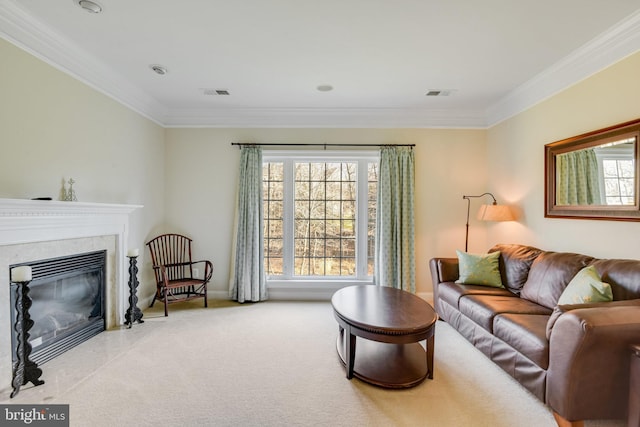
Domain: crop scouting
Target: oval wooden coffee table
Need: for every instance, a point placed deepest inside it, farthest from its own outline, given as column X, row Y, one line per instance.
column 388, row 325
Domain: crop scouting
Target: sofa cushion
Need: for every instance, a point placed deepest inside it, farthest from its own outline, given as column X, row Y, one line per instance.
column 549, row 275
column 479, row 269
column 586, row 287
column 515, row 262
column 525, row 333
column 482, row 308
column 452, row 292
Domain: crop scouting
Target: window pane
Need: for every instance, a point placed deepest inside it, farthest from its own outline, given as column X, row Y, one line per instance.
column 626, row 168
column 274, row 229
column 349, row 248
column 333, row 209
column 302, row 171
column 349, row 191
column 626, row 187
column 301, row 248
column 610, row 168
column 334, row 172
column 316, row 228
column 272, row 209
column 348, row 228
column 301, row 209
column 317, row 191
column 349, row 171
column 333, row 190
column 349, row 209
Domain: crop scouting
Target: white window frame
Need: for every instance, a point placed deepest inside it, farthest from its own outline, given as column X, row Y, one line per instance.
column 311, row 286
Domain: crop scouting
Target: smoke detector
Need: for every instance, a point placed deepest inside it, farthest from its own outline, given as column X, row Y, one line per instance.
column 89, row 6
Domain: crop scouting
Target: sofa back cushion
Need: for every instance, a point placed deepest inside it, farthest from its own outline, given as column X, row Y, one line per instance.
column 515, row 262
column 550, row 274
column 622, row 274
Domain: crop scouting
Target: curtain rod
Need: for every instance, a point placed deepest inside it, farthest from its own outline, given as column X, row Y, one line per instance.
column 240, row 144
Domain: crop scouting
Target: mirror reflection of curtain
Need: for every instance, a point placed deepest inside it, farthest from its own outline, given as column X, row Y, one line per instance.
column 577, row 178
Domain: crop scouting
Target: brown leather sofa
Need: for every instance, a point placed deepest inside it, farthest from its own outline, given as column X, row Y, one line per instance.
column 574, row 358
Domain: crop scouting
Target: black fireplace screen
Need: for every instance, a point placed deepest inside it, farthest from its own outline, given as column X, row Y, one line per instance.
column 68, row 303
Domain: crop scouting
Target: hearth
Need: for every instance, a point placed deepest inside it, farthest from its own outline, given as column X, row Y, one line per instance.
column 68, row 303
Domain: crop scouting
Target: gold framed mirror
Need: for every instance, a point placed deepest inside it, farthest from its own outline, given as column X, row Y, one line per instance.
column 594, row 175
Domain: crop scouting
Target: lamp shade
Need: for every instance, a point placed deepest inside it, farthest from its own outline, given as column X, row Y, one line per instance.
column 495, row 213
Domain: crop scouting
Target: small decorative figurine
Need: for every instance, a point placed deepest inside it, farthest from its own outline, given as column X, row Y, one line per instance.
column 63, row 191
column 71, row 194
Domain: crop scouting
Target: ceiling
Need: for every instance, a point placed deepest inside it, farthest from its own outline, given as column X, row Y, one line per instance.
column 495, row 58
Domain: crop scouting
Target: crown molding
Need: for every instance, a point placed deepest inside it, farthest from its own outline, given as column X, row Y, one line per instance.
column 610, row 47
column 325, row 118
column 37, row 38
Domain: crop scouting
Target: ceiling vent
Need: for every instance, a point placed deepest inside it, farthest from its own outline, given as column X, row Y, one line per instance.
column 440, row 92
column 89, row 6
column 214, row 92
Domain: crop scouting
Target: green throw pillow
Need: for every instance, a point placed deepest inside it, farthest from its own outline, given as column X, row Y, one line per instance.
column 479, row 269
column 586, row 287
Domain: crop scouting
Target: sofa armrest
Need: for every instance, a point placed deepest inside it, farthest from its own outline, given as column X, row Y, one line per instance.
column 588, row 375
column 442, row 270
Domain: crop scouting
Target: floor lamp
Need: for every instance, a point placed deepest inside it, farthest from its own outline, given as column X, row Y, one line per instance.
column 492, row 212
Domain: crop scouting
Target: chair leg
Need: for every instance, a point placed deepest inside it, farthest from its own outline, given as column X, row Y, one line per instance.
column 166, row 302
column 206, row 300
column 154, row 298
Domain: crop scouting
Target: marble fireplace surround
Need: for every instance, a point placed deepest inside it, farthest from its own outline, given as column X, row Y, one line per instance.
column 32, row 230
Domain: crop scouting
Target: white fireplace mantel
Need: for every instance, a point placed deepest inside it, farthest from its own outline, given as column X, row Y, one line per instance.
column 32, row 221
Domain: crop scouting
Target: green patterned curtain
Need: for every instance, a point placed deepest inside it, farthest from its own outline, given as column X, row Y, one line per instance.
column 577, row 178
column 248, row 277
column 394, row 263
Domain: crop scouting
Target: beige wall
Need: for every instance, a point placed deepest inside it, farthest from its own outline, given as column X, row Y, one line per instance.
column 516, row 162
column 202, row 174
column 53, row 127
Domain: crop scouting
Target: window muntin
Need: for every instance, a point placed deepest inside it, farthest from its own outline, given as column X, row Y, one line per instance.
column 312, row 203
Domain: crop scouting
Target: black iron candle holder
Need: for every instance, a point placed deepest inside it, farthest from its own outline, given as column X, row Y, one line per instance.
column 133, row 314
column 24, row 369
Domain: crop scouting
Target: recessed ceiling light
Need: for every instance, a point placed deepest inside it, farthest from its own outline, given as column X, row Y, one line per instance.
column 89, row 6
column 158, row 69
column 325, row 88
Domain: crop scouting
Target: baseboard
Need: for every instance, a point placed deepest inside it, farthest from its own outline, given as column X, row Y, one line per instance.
column 309, row 294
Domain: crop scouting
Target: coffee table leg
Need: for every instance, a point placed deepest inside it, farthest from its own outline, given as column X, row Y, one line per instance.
column 430, row 345
column 350, row 352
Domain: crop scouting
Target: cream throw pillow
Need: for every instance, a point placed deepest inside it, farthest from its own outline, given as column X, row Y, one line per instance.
column 586, row 287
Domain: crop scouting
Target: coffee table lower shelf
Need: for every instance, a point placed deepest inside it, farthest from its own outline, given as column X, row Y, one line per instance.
column 385, row 364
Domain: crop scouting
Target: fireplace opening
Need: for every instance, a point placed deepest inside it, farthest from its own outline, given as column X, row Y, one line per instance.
column 68, row 303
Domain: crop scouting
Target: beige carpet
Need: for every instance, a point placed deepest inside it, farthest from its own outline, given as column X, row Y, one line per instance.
column 267, row 364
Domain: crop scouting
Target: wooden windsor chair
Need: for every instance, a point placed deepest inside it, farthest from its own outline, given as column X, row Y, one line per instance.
column 173, row 268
